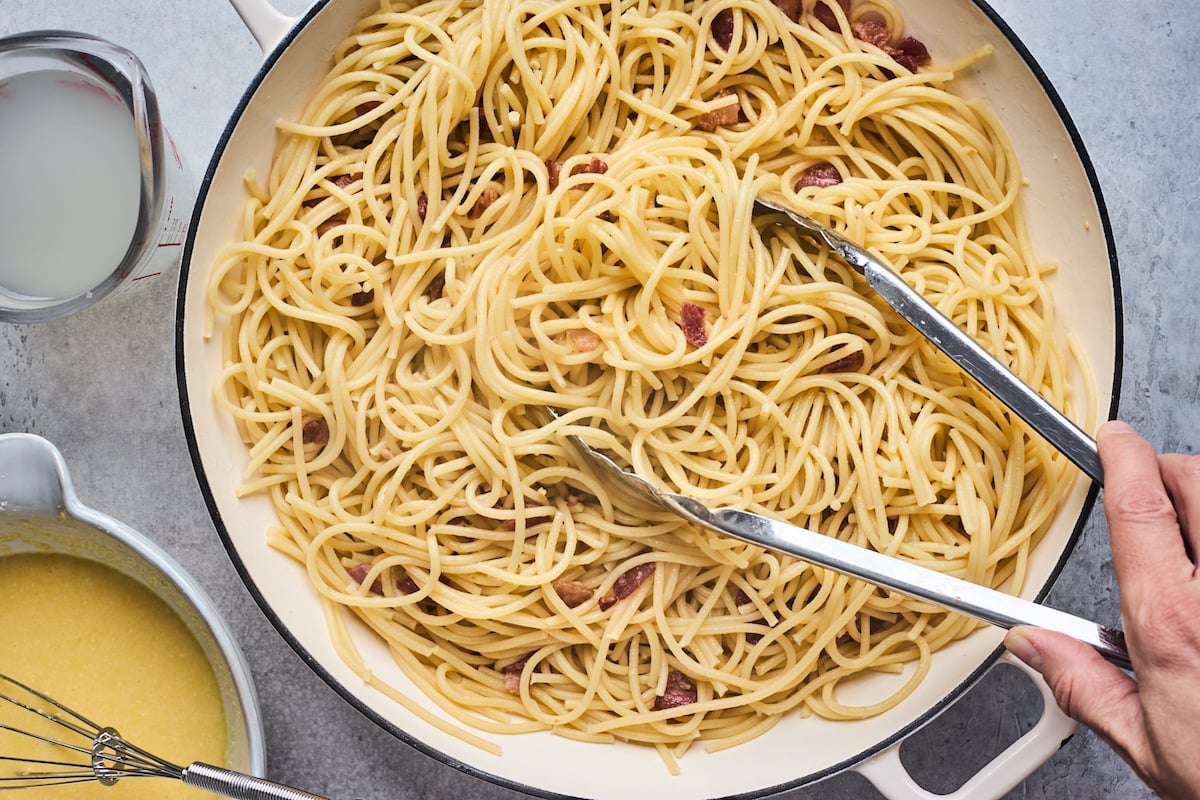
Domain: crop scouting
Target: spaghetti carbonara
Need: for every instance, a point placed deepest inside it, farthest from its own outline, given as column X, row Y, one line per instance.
column 494, row 207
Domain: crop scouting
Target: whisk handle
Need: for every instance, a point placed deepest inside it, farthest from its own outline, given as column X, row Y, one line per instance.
column 240, row 786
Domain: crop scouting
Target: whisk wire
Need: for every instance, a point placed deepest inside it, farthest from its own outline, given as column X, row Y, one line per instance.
column 114, row 758
column 103, row 756
column 100, row 754
column 69, row 718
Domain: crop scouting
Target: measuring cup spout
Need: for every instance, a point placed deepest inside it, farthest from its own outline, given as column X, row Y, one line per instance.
column 33, row 475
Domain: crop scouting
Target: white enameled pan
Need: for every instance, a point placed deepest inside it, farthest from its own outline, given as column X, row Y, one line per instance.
column 1068, row 223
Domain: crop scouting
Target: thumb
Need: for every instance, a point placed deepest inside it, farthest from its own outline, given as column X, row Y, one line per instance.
column 1086, row 687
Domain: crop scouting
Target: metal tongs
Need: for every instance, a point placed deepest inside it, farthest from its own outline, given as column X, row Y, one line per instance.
column 977, row 362
column 955, row 594
column 989, row 605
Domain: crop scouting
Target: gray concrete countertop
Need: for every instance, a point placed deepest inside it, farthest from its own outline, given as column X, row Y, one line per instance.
column 101, row 384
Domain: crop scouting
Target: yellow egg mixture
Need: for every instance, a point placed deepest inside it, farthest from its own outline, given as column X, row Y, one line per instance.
column 102, row 644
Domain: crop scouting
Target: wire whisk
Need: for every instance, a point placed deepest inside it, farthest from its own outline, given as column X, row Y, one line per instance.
column 63, row 747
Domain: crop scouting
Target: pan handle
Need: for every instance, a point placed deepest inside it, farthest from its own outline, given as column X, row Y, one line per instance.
column 1004, row 773
column 266, row 24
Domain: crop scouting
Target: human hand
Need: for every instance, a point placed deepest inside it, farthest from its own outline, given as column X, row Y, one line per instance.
column 1152, row 720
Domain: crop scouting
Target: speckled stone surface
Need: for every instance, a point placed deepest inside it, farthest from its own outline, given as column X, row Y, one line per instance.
column 101, row 385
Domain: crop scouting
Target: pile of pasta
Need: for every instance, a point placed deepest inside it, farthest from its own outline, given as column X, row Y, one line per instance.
column 493, row 208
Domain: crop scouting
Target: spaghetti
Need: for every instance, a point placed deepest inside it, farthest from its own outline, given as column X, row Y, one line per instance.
column 490, row 207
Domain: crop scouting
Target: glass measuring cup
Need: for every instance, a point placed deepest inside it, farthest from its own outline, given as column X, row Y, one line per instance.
column 94, row 197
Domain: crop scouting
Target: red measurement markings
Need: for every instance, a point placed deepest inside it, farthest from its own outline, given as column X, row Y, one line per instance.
column 87, row 88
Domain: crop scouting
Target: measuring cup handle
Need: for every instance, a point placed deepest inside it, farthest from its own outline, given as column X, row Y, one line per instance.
column 33, row 475
column 266, row 24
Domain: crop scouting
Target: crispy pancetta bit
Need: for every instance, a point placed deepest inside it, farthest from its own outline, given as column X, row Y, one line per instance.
column 436, row 286
column 627, row 583
column 725, row 115
column 512, row 675
column 330, row 224
column 824, row 13
column 792, row 9
column 362, row 109
column 909, row 52
column 851, row 362
column 484, row 202
column 572, row 593
column 821, row 176
column 583, row 340
column 596, row 166
column 679, row 691
column 315, row 431
column 692, row 318
column 360, row 571
column 722, row 29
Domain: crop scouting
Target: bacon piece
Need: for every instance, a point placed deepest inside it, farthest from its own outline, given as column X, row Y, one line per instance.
column 572, row 593
column 577, row 497
column 792, row 9
column 596, row 166
column 851, row 362
column 331, row 223
column 825, row 14
column 909, row 53
column 362, row 109
column 422, row 206
column 363, row 298
column 728, row 114
column 485, row 201
column 631, row 579
column 722, row 29
column 359, row 573
column 743, row 599
column 820, row 175
column 626, row 584
column 691, row 319
column 530, row 520
column 679, row 691
column 315, row 431
column 437, row 284
column 512, row 675
column 872, row 31
column 553, row 173
column 583, row 340
column 342, row 181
